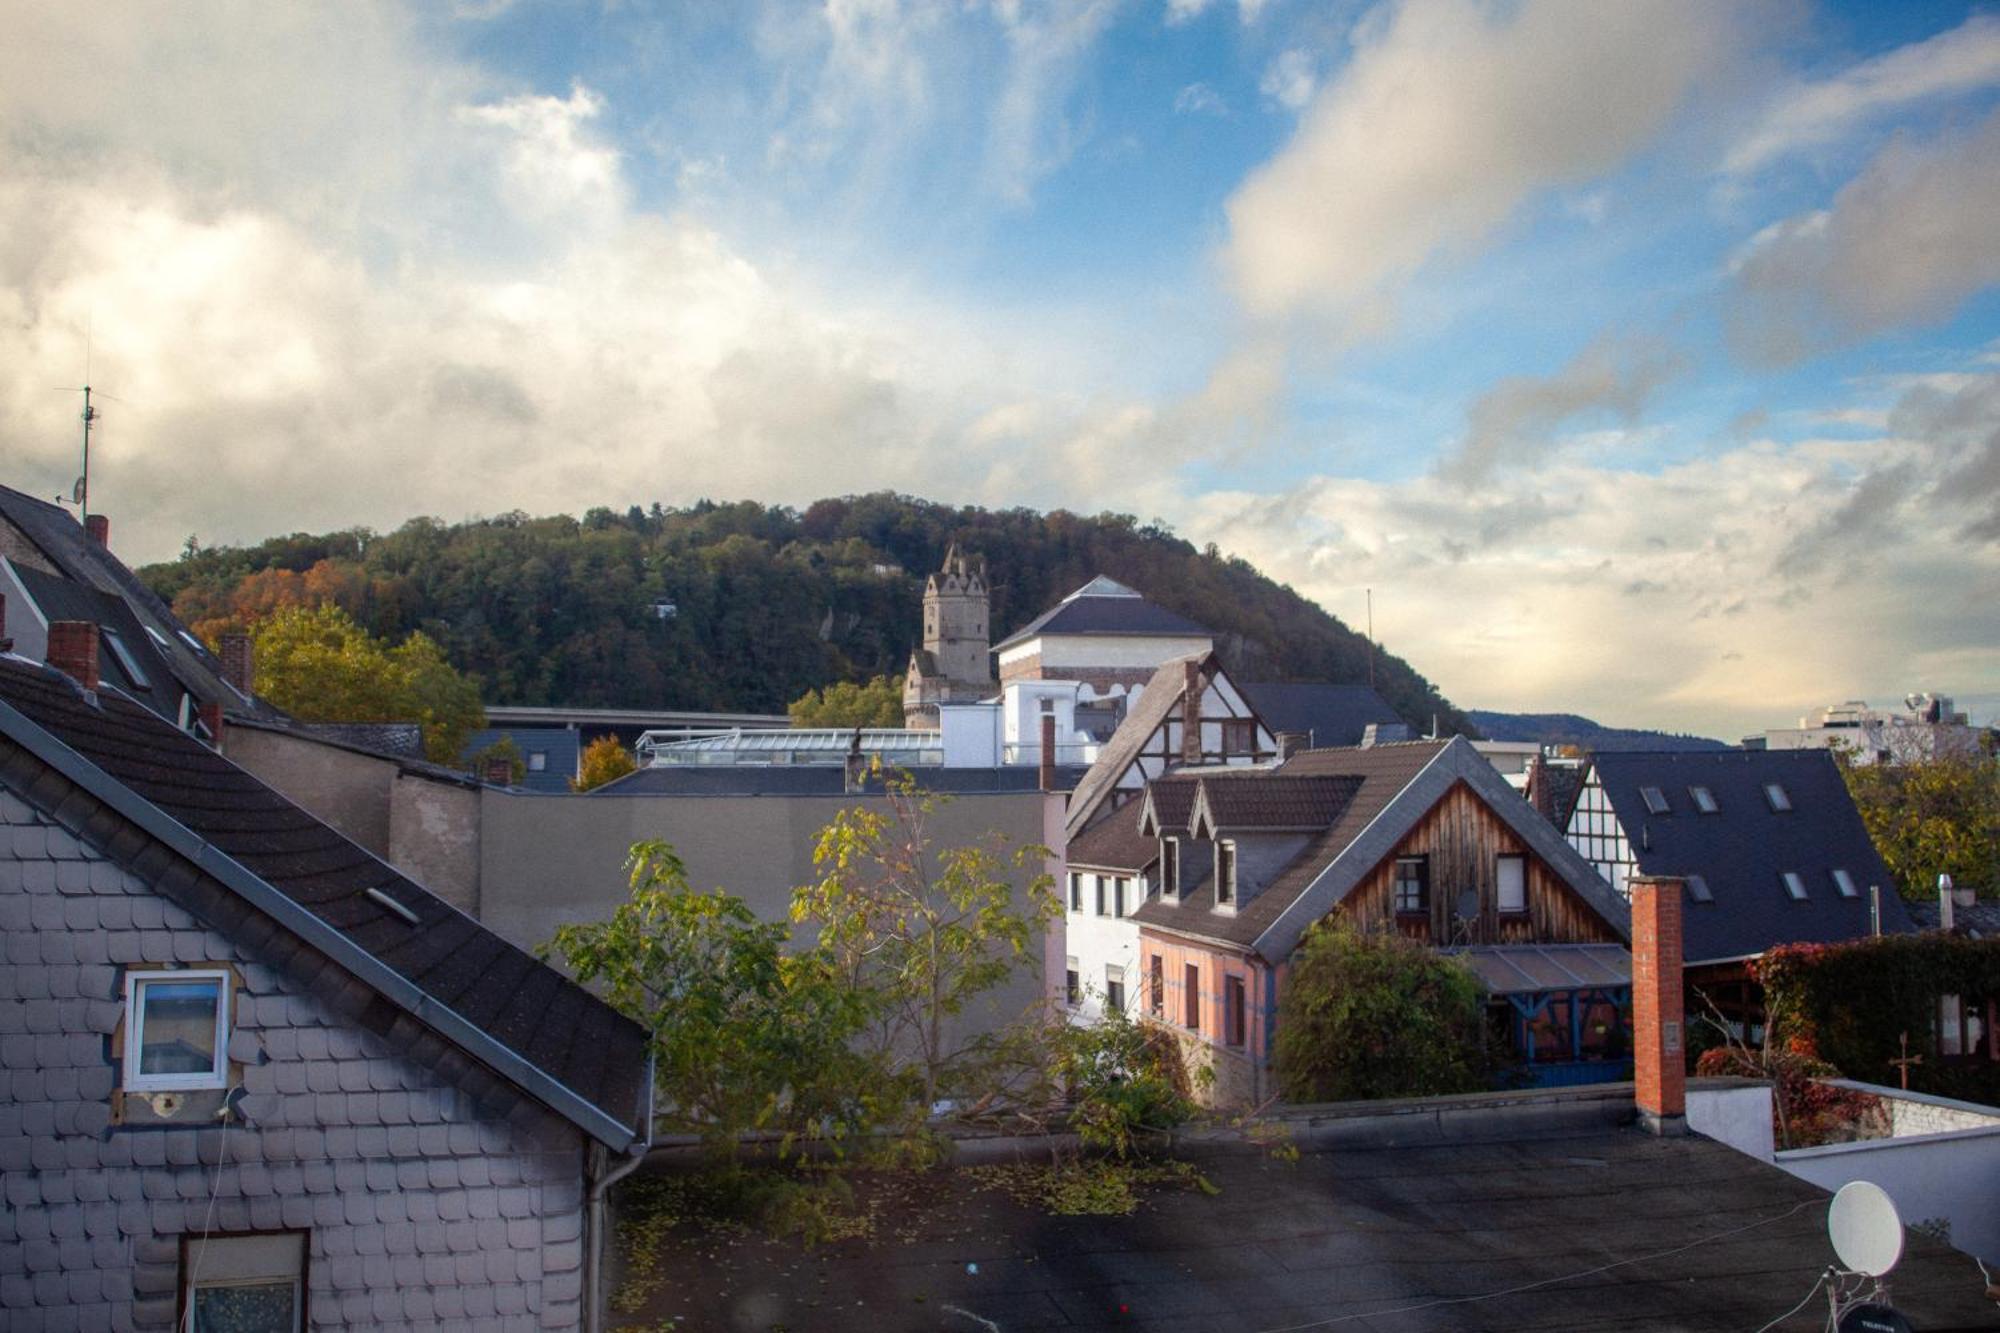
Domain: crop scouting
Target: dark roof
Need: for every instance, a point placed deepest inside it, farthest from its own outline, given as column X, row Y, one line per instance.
column 70, row 549
column 1326, row 714
column 821, row 780
column 1171, row 799
column 1511, row 1212
column 1743, row 849
column 1388, row 789
column 1553, row 788
column 1981, row 920
column 1270, row 801
column 60, row 598
column 560, row 747
column 497, row 1002
column 1115, row 843
column 1087, row 611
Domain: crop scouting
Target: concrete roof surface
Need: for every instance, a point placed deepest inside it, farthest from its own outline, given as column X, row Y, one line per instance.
column 1351, row 1237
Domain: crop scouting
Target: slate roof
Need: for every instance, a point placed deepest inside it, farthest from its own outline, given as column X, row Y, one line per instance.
column 1981, row 920
column 821, row 780
column 1553, row 789
column 1115, row 843
column 1742, row 850
column 535, row 1027
column 1328, row 715
column 65, row 599
column 560, row 747
column 1390, row 789
column 1270, row 801
column 69, row 548
column 1093, row 610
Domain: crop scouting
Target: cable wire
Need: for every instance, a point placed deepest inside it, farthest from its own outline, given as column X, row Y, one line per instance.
column 1552, row 1281
column 1818, row 1282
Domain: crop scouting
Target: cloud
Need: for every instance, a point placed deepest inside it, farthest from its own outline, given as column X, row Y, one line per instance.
column 1031, row 135
column 1198, row 99
column 1512, row 425
column 1449, row 116
column 1905, row 242
column 1290, row 79
column 1810, row 115
column 1184, row 11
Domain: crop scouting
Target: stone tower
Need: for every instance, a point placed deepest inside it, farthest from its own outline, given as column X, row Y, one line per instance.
column 955, row 664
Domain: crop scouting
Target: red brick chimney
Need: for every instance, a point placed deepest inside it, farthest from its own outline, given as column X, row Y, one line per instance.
column 73, row 650
column 1191, row 711
column 1659, row 1050
column 239, row 662
column 99, row 528
column 1048, row 767
column 211, row 718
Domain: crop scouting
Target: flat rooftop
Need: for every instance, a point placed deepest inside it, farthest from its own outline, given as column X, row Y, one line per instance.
column 1542, row 1215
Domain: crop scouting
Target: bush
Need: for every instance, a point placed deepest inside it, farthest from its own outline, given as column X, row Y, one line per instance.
column 1124, row 1080
column 1375, row 1014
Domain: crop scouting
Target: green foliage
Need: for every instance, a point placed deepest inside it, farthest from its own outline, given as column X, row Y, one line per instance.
column 504, row 748
column 879, row 703
column 319, row 665
column 744, row 1036
column 1125, row 1080
column 1851, row 1004
column 1088, row 1187
column 561, row 610
column 1940, row 816
column 603, row 760
column 1375, row 1014
column 922, row 932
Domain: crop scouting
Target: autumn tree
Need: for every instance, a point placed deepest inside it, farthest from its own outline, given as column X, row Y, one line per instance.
column 604, row 760
column 878, row 703
column 1368, row 1014
column 317, row 664
column 745, row 1035
column 1933, row 817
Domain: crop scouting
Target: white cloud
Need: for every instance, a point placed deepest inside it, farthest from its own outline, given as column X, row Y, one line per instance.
column 1198, row 99
column 1447, row 117
column 1291, row 78
column 1905, row 242
column 1812, row 114
column 1031, row 132
column 1184, row 11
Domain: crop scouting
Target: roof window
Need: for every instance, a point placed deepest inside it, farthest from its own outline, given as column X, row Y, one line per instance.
column 1704, row 800
column 1655, row 799
column 1698, row 889
column 1795, row 885
column 1780, row 799
column 1845, row 883
column 126, row 662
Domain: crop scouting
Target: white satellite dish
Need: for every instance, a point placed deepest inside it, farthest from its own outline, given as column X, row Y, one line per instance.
column 1867, row 1233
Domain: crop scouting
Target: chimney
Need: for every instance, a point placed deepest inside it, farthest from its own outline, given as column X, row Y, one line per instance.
column 1191, row 711
column 1659, row 1053
column 239, row 661
column 499, row 771
column 1048, row 773
column 73, row 651
column 99, row 529
column 211, row 718
column 1947, row 900
column 1292, row 742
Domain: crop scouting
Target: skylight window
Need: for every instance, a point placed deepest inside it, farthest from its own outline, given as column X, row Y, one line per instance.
column 1704, row 800
column 1795, row 885
column 126, row 662
column 1698, row 889
column 1780, row 799
column 1845, row 883
column 1656, row 800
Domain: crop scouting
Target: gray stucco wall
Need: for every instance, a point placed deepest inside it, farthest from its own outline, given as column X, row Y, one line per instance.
column 433, row 1195
column 547, row 861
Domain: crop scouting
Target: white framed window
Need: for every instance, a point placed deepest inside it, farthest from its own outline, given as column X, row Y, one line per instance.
column 1704, row 800
column 255, row 1284
column 1512, row 884
column 126, row 662
column 176, row 1030
column 1780, row 799
column 1655, row 799
column 1225, row 874
column 1795, row 885
column 538, row 761
column 1072, row 985
column 1170, row 867
column 1114, row 990
column 1845, row 883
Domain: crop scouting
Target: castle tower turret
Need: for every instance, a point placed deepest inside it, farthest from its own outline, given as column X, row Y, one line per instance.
column 956, row 661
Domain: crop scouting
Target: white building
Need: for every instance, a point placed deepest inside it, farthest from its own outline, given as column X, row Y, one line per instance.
column 1927, row 728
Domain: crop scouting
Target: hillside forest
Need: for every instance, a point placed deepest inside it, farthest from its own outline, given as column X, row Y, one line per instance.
column 745, row 607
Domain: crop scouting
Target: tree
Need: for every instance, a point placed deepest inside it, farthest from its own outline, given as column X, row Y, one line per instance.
column 319, row 665
column 1377, row 1014
column 744, row 1035
column 879, row 703
column 504, row 748
column 1124, row 1079
column 604, row 760
column 1939, row 816
column 922, row 933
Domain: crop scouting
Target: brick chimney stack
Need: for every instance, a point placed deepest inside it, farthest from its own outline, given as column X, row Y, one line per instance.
column 1659, row 1049
column 211, row 718
column 1048, row 763
column 1191, row 712
column 73, row 651
column 99, row 528
column 239, row 662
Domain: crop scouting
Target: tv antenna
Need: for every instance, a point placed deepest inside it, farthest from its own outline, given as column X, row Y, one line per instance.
column 80, row 493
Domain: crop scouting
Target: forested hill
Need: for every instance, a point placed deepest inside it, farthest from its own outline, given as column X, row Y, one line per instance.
column 767, row 602
column 1569, row 729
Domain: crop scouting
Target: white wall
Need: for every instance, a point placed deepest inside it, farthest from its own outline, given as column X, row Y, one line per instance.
column 1070, row 652
column 1737, row 1116
column 1098, row 942
column 1954, row 1176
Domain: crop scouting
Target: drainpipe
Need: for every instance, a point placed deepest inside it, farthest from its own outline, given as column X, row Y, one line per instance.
column 596, row 1215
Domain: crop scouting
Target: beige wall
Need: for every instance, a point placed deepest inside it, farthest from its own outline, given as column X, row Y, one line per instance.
column 434, row 837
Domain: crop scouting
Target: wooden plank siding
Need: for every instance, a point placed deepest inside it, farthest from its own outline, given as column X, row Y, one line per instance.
column 1463, row 839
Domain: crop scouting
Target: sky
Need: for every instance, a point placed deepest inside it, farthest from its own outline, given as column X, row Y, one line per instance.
column 1642, row 358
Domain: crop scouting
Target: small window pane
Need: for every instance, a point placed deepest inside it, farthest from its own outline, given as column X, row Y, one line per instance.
column 1412, row 883
column 264, row 1307
column 1114, row 990
column 538, row 761
column 126, row 662
column 1656, row 800
column 1704, row 800
column 1698, row 889
column 1072, row 986
column 1513, row 884
column 1845, row 883
column 177, row 1026
column 1780, row 799
column 1794, row 885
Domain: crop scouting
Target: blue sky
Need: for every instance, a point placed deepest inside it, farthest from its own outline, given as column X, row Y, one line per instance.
column 1643, row 358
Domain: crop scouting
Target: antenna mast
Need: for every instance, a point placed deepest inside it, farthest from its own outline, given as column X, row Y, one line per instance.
column 1370, row 591
column 83, row 482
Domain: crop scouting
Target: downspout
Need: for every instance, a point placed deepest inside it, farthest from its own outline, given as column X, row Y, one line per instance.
column 596, row 1214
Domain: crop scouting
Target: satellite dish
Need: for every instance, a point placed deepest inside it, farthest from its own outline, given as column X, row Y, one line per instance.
column 1867, row 1234
column 1468, row 904
column 76, row 491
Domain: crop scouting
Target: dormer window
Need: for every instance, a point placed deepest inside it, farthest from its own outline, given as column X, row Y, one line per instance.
column 1170, row 867
column 1225, row 874
column 1780, row 799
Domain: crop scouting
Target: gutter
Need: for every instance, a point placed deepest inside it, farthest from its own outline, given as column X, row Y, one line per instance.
column 364, row 966
column 597, row 1214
